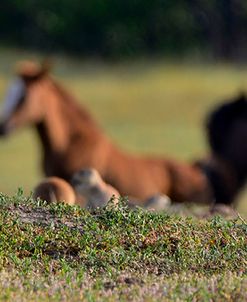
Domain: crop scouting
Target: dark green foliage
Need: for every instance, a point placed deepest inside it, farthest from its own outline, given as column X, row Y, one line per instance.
column 126, row 27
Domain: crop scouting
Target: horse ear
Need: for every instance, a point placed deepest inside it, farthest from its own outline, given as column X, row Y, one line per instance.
column 31, row 70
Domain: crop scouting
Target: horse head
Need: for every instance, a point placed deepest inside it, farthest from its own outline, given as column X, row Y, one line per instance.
column 24, row 101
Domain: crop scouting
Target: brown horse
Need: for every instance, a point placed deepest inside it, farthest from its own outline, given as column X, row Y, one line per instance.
column 72, row 140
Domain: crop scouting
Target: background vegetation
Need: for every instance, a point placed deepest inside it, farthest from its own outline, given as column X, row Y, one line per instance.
column 112, row 28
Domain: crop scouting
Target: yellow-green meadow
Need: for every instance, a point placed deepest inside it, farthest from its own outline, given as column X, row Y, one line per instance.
column 147, row 107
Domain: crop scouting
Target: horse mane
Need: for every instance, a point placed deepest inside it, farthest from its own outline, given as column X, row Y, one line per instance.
column 73, row 122
column 73, row 105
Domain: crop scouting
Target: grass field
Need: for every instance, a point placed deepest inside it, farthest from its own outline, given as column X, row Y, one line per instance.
column 154, row 107
column 62, row 253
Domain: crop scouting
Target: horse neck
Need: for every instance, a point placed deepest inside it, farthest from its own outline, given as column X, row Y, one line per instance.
column 64, row 121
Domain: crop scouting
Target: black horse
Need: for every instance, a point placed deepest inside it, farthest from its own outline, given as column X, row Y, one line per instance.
column 226, row 129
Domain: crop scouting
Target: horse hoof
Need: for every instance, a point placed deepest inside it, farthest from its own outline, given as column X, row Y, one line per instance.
column 55, row 189
column 223, row 210
column 220, row 209
column 158, row 202
column 88, row 184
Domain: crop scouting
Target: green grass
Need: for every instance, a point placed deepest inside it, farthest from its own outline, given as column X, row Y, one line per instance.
column 62, row 253
column 147, row 107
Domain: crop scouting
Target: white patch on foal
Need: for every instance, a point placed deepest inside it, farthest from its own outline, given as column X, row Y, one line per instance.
column 14, row 95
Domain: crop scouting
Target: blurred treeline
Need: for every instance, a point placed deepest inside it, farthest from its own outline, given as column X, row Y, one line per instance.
column 127, row 27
